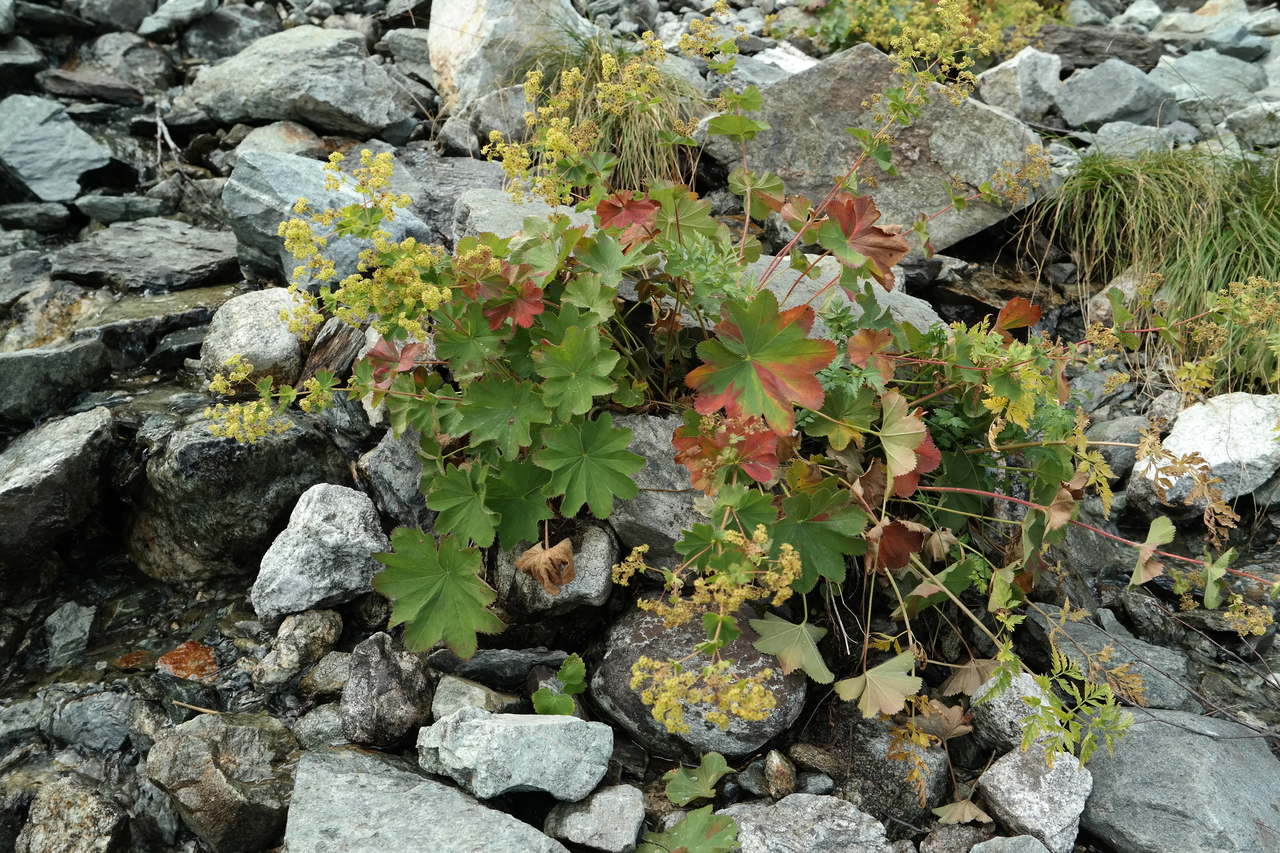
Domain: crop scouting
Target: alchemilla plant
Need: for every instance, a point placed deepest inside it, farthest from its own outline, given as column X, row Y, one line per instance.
column 876, row 475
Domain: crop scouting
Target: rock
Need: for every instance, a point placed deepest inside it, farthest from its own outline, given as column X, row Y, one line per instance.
column 476, row 46
column 1024, row 85
column 97, row 720
column 50, row 481
column 503, row 111
column 67, row 633
column 1126, row 139
column 609, row 820
column 130, row 58
column 1085, row 47
column 133, row 326
column 1140, row 17
column 211, row 506
column 1028, row 796
column 1234, row 435
column 503, row 669
column 593, row 562
column 19, row 59
column 779, row 775
column 35, row 382
column 250, row 325
column 320, row 727
column 283, row 137
column 808, row 822
column 42, row 151
column 318, row 76
column 89, row 85
column 1162, row 787
column 1207, row 74
column 302, row 640
column 328, row 676
column 67, row 816
column 23, row 721
column 1114, row 91
column 119, row 208
column 346, row 801
column 230, row 775
column 150, row 254
column 494, row 754
column 45, row 217
column 227, row 31
column 663, row 509
column 113, row 14
column 1080, row 13
column 878, row 785
column 1127, row 429
column 411, row 50
column 1257, row 125
column 493, row 211
column 8, row 20
column 174, row 15
column 642, row 633
column 997, row 719
column 388, row 695
column 48, row 312
column 1014, row 844
column 260, row 194
column 324, row 557
column 949, row 838
column 392, row 474
column 967, row 142
column 454, row 694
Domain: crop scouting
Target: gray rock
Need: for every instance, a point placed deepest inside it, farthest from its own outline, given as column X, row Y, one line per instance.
column 1126, row 429
column 663, row 509
column 88, row 85
column 119, row 208
column 327, row 678
column 250, row 325
column 1013, row 844
column 410, row 48
column 1028, row 796
column 1257, row 125
column 67, row 815
column 1025, row 85
column 50, row 482
column 1126, row 139
column 227, row 31
column 130, row 58
column 67, row 633
column 642, row 633
column 230, row 775
column 8, row 20
column 1081, row 13
column 346, row 801
column 493, row 211
column 260, row 194
column 966, row 142
column 174, row 15
column 392, row 474
column 302, row 640
column 388, row 695
column 477, row 46
column 493, row 754
column 113, row 14
column 454, row 694
column 503, row 669
column 212, row 506
column 1163, row 787
column 150, row 254
column 1207, row 74
column 45, row 217
column 35, row 382
column 1265, row 22
column 609, row 820
column 132, row 326
column 1140, row 17
column 593, row 562
column 43, row 151
column 997, row 718
column 502, row 111
column 1114, row 91
column 318, row 76
column 23, row 721
column 807, row 822
column 97, row 721
column 320, row 727
column 48, row 312
column 324, row 557
column 877, row 784
column 283, row 137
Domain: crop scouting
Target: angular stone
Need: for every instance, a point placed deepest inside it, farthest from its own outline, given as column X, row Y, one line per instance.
column 968, row 142
column 1257, row 125
column 8, row 18
column 593, row 561
column 35, row 382
column 150, row 254
column 68, row 816
column 89, row 85
column 1114, row 91
column 325, row 555
column 1028, row 796
column 328, row 676
column 494, row 754
column 663, row 509
column 113, row 14
column 392, row 472
column 97, row 720
column 608, row 820
column 454, row 694
column 283, row 137
column 250, row 325
column 132, row 326
column 1126, row 139
column 1206, row 74
column 227, row 31
column 303, row 639
column 119, row 208
column 345, row 801
column 1127, row 429
column 130, row 58
column 997, row 718
column 1024, row 85
column 1014, row 844
column 388, row 695
column 67, row 632
column 174, row 15
column 230, row 775
column 318, row 76
column 493, row 211
column 503, row 669
column 19, row 59
column 45, row 217
column 1085, row 47
column 808, row 822
column 43, row 151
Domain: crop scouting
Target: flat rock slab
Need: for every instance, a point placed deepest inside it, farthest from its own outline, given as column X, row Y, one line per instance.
column 150, row 254
column 42, row 150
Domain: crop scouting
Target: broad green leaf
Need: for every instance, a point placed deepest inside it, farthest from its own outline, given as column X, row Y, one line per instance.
column 572, row 676
column 759, row 185
column 589, row 292
column 458, row 496
column 1214, row 571
column 795, row 646
column 575, row 372
column 516, row 494
column 884, row 688
column 701, row 831
column 603, row 254
column 761, row 362
column 685, row 785
column 499, row 410
column 901, row 433
column 848, row 415
column 738, row 128
column 681, row 215
column 436, row 591
column 1161, row 532
column 824, row 528
column 547, row 701
column 467, row 342
column 744, row 508
column 589, row 464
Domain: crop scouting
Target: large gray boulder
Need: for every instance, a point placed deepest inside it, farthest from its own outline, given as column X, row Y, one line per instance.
column 1179, row 781
column 663, row 509
column 392, row 474
column 322, row 77
column 477, row 46
column 346, row 801
column 251, row 325
column 150, row 254
column 808, row 822
column 1207, row 74
column 37, row 381
column 494, row 754
column 387, row 695
column 68, row 815
column 42, row 151
column 1031, row 797
column 1024, row 85
column 325, row 555
column 1114, row 91
column 966, row 142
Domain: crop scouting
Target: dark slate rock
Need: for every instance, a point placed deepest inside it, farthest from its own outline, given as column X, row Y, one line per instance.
column 227, row 31
column 388, row 695
column 1085, row 47
column 150, row 254
column 35, row 382
column 42, row 151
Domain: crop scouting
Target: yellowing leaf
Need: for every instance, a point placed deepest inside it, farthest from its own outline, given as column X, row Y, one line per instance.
column 796, row 646
column 944, row 721
column 1160, row 532
column 961, row 811
column 884, row 688
column 968, row 677
column 901, row 433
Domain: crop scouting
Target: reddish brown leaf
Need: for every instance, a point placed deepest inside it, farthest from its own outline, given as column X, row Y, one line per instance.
column 866, row 346
column 389, row 360
column 893, row 543
column 742, row 443
column 191, row 660
column 928, row 458
column 551, row 567
column 635, row 216
column 520, row 306
column 872, row 484
column 882, row 248
column 1017, row 313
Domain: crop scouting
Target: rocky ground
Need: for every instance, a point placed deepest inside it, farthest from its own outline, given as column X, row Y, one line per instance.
column 189, row 645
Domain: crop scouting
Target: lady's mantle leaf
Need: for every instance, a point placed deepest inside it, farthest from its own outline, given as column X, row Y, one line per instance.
column 684, row 786
column 824, row 528
column 499, row 410
column 961, row 811
column 884, row 688
column 458, row 495
column 793, row 645
column 699, row 832
column 436, row 591
column 575, row 372
column 864, row 243
column 551, row 567
column 1214, row 571
column 1160, row 532
column 762, row 363
column 901, row 432
column 515, row 494
column 519, row 305
column 589, row 464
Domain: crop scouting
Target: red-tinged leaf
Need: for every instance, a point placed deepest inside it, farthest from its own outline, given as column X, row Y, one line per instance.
column 191, row 660
column 1017, row 313
column 882, row 248
column 745, row 444
column 635, row 216
column 893, row 543
column 901, row 433
column 795, row 212
column 761, row 362
column 866, row 346
column 519, row 306
column 388, row 361
column 928, row 458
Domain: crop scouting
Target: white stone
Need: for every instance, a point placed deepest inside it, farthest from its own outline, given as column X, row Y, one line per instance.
column 454, row 694
column 250, row 325
column 608, row 820
column 1028, row 796
column 1024, row 85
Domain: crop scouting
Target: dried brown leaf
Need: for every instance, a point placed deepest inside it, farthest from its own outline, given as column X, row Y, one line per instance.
column 551, row 567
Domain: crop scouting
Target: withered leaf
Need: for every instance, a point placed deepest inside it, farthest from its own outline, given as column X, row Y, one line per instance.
column 551, row 567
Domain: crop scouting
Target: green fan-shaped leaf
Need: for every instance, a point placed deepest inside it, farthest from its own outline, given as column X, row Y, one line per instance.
column 458, row 495
column 701, row 831
column 589, row 464
column 499, row 410
column 795, row 646
column 575, row 372
column 824, row 528
column 685, row 785
column 516, row 493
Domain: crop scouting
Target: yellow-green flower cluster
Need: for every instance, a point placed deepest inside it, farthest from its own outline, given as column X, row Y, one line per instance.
column 235, row 370
column 246, row 422
column 669, row 689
